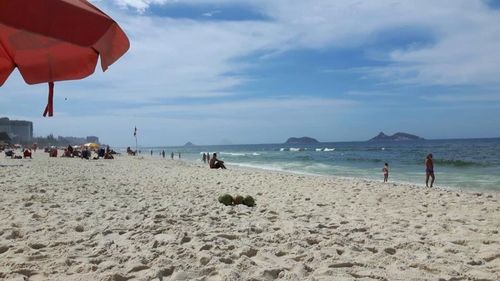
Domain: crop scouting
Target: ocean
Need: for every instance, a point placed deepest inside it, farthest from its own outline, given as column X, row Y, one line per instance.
column 461, row 164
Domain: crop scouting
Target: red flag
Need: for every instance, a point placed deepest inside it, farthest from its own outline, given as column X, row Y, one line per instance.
column 135, row 131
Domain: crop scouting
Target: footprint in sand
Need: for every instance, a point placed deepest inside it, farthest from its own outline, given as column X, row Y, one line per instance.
column 37, row 246
column 3, row 249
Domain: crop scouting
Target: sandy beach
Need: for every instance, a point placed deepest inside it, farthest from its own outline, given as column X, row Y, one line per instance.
column 146, row 218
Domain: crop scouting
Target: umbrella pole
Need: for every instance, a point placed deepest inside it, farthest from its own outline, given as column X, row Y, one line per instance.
column 49, row 109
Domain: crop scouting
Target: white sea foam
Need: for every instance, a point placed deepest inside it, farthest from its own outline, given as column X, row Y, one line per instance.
column 255, row 154
column 233, row 153
column 326, row 149
column 294, row 149
column 277, row 167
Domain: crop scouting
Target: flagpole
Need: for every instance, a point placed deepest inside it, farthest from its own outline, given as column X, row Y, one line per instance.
column 136, row 142
column 135, row 135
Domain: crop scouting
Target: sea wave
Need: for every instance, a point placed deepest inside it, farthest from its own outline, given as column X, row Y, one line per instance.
column 458, row 163
column 373, row 160
column 325, row 149
column 293, row 149
column 233, row 153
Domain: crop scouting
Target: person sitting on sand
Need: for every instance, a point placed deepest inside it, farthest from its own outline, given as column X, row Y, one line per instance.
column 429, row 170
column 385, row 170
column 108, row 156
column 27, row 153
column 86, row 154
column 131, row 152
column 9, row 153
column 216, row 163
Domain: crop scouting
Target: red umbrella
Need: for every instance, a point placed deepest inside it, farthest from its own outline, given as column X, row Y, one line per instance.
column 56, row 40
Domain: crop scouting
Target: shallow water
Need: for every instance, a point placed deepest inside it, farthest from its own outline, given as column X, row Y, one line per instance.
column 469, row 164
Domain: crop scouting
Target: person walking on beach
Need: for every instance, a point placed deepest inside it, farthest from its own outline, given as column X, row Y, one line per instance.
column 151, row 152
column 204, row 158
column 208, row 157
column 179, row 155
column 429, row 170
column 172, row 156
column 385, row 170
column 163, row 154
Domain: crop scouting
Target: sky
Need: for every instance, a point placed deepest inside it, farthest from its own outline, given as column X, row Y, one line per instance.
column 260, row 71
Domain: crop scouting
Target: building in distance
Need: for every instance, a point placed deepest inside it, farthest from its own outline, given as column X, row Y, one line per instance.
column 19, row 131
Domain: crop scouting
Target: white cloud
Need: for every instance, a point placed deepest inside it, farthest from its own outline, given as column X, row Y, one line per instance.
column 141, row 5
column 243, row 108
column 466, row 33
column 211, row 13
column 460, row 98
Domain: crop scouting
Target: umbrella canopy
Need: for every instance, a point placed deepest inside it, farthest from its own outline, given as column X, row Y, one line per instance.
column 92, row 145
column 56, row 40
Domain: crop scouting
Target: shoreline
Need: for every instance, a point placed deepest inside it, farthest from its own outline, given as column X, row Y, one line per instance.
column 395, row 182
column 461, row 170
column 138, row 218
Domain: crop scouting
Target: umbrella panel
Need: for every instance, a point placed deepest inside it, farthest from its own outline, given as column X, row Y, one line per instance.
column 41, row 59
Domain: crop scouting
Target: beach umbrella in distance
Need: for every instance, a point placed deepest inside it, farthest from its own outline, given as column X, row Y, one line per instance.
column 92, row 145
column 56, row 40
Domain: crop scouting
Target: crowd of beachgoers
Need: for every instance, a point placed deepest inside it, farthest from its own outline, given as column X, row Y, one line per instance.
column 86, row 151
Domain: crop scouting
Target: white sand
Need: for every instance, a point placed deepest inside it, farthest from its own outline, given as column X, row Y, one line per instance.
column 143, row 218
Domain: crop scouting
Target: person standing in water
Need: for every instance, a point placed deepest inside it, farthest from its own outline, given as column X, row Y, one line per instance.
column 172, row 156
column 429, row 170
column 385, row 170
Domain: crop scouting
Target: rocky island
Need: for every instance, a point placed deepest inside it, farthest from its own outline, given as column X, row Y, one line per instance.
column 396, row 137
column 189, row 144
column 302, row 140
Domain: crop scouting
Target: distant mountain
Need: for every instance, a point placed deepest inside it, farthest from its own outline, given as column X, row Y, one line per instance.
column 189, row 144
column 302, row 140
column 396, row 137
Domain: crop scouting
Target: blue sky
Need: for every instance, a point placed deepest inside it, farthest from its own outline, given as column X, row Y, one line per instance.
column 256, row 71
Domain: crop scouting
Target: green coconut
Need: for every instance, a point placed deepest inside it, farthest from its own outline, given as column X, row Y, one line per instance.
column 226, row 199
column 238, row 200
column 249, row 201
